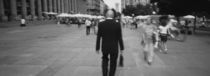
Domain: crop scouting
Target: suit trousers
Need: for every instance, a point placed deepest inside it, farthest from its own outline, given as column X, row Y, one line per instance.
column 109, row 60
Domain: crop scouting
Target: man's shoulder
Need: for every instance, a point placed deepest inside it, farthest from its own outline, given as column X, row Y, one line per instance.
column 102, row 20
column 109, row 21
column 102, row 23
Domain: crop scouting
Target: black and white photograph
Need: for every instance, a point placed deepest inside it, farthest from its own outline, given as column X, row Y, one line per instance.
column 104, row 37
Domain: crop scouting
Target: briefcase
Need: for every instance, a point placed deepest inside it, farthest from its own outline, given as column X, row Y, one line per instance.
column 121, row 60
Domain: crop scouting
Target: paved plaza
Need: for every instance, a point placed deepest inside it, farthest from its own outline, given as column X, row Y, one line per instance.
column 60, row 50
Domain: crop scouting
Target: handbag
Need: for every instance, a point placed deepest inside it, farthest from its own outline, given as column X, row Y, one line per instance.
column 121, row 61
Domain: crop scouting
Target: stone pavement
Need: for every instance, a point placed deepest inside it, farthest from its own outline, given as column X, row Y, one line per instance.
column 12, row 24
column 59, row 50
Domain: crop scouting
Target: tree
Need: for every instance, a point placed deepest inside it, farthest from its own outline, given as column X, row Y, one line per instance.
column 138, row 10
column 143, row 10
column 182, row 7
column 129, row 10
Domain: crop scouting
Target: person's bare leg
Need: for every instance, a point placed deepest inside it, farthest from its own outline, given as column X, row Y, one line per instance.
column 146, row 52
column 165, row 48
column 150, row 53
column 161, row 46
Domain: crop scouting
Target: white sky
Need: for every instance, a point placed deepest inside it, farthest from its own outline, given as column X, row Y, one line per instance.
column 111, row 3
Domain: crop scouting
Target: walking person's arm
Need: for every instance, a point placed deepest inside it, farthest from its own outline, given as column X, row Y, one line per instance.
column 142, row 38
column 157, row 39
column 98, row 40
column 120, row 38
column 170, row 34
column 156, row 33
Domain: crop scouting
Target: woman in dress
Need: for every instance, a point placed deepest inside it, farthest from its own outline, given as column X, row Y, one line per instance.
column 150, row 39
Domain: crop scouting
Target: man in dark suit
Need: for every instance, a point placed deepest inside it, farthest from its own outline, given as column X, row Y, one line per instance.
column 110, row 34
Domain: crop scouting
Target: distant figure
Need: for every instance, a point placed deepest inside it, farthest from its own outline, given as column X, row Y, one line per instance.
column 79, row 22
column 172, row 26
column 123, row 23
column 95, row 24
column 110, row 35
column 23, row 22
column 164, row 32
column 134, row 24
column 88, row 25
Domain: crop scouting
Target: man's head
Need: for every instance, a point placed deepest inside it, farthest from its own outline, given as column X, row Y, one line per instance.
column 110, row 13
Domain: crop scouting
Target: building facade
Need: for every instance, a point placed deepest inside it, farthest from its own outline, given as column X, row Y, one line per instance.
column 103, row 6
column 117, row 7
column 93, row 7
column 11, row 10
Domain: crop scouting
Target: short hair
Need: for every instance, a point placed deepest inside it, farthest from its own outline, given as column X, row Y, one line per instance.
column 163, row 20
column 114, row 12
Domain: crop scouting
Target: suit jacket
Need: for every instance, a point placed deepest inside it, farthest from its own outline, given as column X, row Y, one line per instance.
column 110, row 34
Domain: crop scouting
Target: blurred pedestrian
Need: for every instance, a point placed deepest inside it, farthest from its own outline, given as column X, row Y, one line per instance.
column 150, row 40
column 111, row 34
column 164, row 33
column 79, row 22
column 88, row 25
column 174, row 30
column 23, row 22
column 95, row 24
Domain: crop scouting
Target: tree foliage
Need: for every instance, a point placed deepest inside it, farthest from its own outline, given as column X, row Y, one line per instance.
column 183, row 7
column 143, row 10
column 129, row 10
column 137, row 10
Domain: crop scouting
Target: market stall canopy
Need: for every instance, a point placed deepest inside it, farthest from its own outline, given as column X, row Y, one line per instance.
column 189, row 17
column 50, row 13
column 88, row 16
column 100, row 17
column 155, row 16
column 142, row 17
column 65, row 15
column 79, row 15
column 83, row 16
column 127, row 17
column 171, row 16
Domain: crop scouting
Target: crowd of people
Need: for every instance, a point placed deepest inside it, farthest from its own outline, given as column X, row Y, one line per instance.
column 154, row 35
column 90, row 23
column 155, row 32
